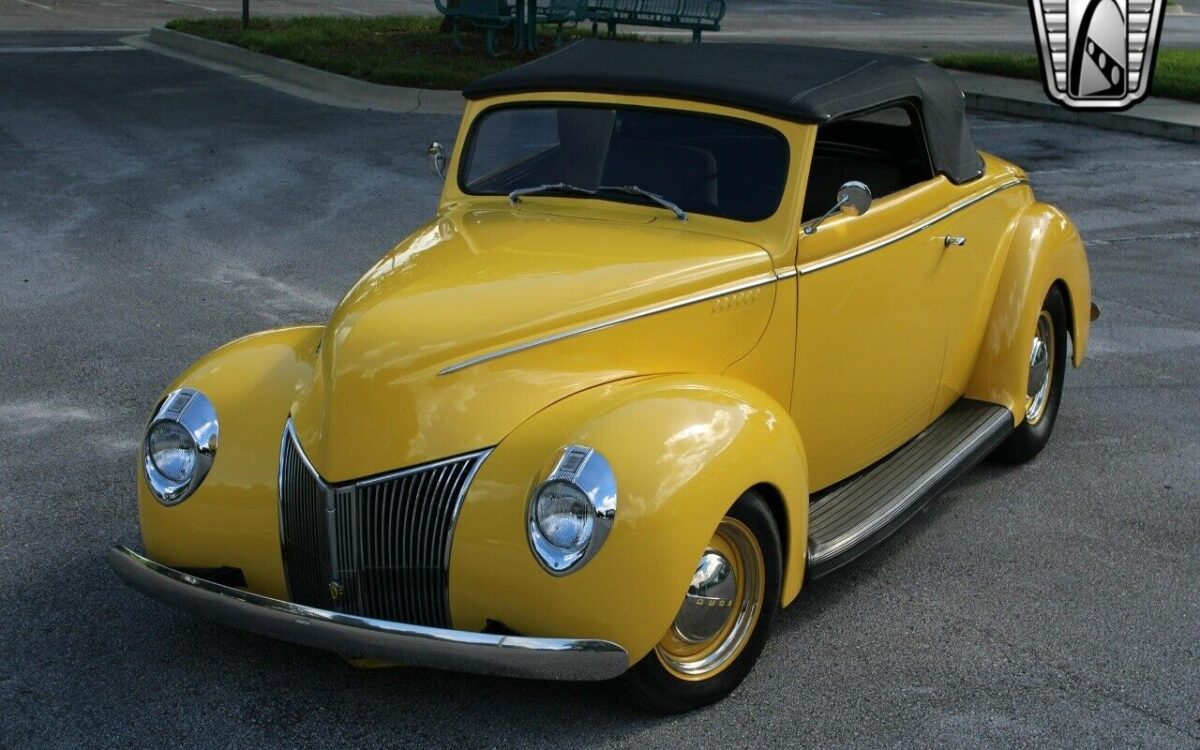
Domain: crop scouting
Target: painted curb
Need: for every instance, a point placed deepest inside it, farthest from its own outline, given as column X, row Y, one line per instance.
column 345, row 91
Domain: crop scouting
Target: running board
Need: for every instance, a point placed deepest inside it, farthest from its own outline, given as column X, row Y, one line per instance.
column 859, row 513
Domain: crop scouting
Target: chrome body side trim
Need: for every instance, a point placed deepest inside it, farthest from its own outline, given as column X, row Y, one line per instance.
column 412, row 645
column 750, row 283
column 833, row 260
column 691, row 299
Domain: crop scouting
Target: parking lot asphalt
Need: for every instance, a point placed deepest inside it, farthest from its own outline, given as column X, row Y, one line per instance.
column 151, row 210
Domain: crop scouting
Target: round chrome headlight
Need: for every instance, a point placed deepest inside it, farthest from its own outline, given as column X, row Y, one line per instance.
column 180, row 444
column 172, row 450
column 572, row 509
column 564, row 515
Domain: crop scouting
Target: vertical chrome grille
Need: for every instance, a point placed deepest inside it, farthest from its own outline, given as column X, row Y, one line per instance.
column 375, row 548
column 303, row 528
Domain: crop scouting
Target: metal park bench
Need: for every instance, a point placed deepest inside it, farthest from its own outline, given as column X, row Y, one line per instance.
column 697, row 15
column 491, row 15
column 559, row 12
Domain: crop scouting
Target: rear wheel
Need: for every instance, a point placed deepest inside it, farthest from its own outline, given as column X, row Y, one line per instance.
column 1047, row 367
column 722, row 625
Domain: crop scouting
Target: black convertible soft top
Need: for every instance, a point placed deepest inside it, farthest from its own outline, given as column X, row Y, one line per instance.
column 805, row 84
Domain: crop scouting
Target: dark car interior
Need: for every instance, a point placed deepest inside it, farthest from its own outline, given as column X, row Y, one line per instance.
column 708, row 165
column 718, row 166
column 885, row 149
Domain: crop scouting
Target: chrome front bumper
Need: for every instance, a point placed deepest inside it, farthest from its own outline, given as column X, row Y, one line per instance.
column 412, row 645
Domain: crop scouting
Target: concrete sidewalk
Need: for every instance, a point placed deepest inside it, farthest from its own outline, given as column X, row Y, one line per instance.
column 293, row 78
column 913, row 27
column 1164, row 118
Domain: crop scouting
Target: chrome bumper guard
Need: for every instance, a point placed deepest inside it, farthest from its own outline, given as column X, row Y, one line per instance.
column 411, row 645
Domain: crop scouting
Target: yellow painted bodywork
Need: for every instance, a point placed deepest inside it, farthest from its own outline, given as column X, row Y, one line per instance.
column 1046, row 249
column 712, row 356
column 482, row 278
column 232, row 519
column 683, row 447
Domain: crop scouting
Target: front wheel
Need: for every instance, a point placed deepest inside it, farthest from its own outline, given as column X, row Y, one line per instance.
column 1047, row 367
column 722, row 625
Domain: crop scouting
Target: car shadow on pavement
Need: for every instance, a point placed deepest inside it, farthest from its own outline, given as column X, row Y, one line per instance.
column 817, row 598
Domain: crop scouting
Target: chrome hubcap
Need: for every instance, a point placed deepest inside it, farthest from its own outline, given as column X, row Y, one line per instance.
column 721, row 607
column 1041, row 356
column 709, row 601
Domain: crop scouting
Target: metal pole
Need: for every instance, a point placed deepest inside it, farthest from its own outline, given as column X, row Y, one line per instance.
column 245, row 14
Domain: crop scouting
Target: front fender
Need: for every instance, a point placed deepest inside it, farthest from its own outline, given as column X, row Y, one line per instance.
column 1046, row 249
column 232, row 519
column 683, row 447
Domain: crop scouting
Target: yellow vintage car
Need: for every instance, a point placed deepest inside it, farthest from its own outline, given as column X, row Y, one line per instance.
column 693, row 325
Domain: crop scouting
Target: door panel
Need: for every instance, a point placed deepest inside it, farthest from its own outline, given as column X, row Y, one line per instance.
column 870, row 332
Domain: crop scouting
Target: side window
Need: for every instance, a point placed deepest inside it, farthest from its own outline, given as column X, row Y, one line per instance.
column 885, row 149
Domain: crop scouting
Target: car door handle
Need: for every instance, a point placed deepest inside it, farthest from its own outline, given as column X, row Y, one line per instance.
column 952, row 239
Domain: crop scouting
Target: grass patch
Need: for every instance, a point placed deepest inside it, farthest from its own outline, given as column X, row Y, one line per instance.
column 1176, row 71
column 392, row 50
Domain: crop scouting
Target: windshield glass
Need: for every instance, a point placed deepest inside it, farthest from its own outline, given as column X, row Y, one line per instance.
column 707, row 165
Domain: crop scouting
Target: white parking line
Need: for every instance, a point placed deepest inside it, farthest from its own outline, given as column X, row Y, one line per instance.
column 193, row 5
column 43, row 50
column 352, row 10
column 36, row 5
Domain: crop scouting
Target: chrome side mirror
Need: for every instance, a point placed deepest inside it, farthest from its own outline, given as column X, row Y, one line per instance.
column 853, row 199
column 437, row 158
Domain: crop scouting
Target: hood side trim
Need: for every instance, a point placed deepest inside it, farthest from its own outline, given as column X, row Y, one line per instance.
column 749, row 283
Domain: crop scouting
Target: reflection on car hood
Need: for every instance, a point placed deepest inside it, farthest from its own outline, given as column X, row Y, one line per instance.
column 480, row 282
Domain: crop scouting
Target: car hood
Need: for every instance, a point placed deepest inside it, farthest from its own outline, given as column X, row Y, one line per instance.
column 479, row 282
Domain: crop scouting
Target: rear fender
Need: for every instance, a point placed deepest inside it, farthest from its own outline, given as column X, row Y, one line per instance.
column 1046, row 249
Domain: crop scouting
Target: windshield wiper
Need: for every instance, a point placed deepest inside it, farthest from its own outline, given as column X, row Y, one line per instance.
column 565, row 187
column 554, row 187
column 635, row 190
